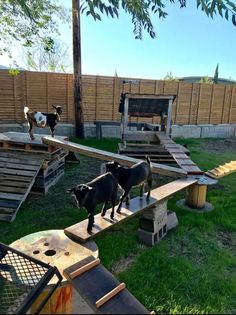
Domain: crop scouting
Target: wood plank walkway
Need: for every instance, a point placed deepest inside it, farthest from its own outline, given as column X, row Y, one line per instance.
column 78, row 232
column 222, row 170
column 179, row 156
column 17, row 174
column 108, row 156
column 101, row 290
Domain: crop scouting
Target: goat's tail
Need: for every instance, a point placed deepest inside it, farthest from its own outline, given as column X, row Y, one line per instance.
column 26, row 109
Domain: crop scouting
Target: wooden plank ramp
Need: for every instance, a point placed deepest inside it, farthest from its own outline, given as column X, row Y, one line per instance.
column 179, row 155
column 101, row 290
column 78, row 232
column 108, row 156
column 222, row 170
column 17, row 174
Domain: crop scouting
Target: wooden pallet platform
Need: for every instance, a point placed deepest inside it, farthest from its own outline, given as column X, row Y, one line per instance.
column 101, row 290
column 17, row 175
column 78, row 232
column 179, row 155
column 222, row 170
column 22, row 142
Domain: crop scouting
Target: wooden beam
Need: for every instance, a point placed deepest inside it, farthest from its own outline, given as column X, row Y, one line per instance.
column 108, row 156
column 78, row 232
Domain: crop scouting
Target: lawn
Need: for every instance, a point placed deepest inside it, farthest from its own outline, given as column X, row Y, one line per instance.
column 192, row 270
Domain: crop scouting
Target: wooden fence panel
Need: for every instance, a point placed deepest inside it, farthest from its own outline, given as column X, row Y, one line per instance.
column 195, row 103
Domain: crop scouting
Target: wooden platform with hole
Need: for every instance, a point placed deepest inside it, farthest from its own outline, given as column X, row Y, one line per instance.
column 101, row 290
column 78, row 232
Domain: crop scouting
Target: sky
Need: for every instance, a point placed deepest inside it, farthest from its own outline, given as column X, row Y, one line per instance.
column 188, row 43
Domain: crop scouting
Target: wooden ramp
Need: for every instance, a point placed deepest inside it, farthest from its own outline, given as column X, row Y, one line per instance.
column 101, row 290
column 17, row 174
column 179, row 155
column 108, row 156
column 222, row 170
column 78, row 232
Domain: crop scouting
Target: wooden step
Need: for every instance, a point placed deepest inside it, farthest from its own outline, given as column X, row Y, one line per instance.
column 78, row 232
column 101, row 290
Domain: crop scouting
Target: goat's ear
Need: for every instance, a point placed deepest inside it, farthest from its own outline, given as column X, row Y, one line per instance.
column 116, row 163
column 54, row 106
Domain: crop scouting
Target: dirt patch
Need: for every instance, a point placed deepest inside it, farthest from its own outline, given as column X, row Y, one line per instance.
column 226, row 239
column 122, row 264
column 223, row 145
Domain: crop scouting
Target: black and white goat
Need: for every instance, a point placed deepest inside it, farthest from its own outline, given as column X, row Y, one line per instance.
column 42, row 120
column 102, row 189
column 138, row 174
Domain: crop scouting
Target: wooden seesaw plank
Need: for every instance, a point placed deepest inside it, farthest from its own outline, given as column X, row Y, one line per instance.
column 109, row 156
column 78, row 232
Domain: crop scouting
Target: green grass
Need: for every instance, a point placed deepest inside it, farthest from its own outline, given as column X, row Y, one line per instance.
column 192, row 270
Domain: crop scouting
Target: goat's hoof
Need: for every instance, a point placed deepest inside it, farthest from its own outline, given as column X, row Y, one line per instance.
column 112, row 217
column 118, row 211
column 103, row 214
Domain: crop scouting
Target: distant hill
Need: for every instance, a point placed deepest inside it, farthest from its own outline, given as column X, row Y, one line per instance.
column 7, row 68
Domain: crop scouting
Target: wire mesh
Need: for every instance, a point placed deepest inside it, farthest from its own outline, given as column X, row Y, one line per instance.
column 22, row 279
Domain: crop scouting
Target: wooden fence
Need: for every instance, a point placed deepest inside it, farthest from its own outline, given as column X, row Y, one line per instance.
column 195, row 103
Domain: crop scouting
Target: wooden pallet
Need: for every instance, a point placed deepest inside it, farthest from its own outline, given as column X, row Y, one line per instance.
column 179, row 155
column 21, row 141
column 101, row 290
column 78, row 232
column 222, row 170
column 17, row 175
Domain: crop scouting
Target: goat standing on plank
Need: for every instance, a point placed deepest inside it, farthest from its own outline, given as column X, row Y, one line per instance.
column 139, row 174
column 42, row 120
column 100, row 190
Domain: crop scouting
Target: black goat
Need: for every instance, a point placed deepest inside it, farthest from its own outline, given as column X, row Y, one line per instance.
column 100, row 190
column 127, row 177
column 42, row 120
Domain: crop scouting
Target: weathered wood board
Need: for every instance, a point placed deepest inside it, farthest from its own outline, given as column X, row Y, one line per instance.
column 17, row 176
column 222, row 170
column 94, row 286
column 78, row 232
column 108, row 156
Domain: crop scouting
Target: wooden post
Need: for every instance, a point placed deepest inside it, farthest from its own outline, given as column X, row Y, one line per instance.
column 79, row 119
column 196, row 196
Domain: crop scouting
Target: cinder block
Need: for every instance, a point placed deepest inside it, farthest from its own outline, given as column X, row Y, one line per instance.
column 186, row 131
column 11, row 127
column 90, row 131
column 172, row 220
column 149, row 238
column 154, row 212
column 110, row 131
column 217, row 131
column 153, row 225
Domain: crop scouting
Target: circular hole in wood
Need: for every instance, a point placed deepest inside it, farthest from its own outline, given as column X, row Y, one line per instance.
column 35, row 252
column 46, row 244
column 67, row 253
column 50, row 252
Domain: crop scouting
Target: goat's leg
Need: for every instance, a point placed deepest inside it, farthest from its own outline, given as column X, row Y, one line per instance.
column 52, row 131
column 122, row 198
column 141, row 191
column 113, row 202
column 104, row 209
column 31, row 131
column 90, row 222
column 149, row 182
column 127, row 200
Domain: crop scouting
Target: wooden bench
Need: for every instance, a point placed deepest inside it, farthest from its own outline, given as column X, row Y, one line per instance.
column 78, row 232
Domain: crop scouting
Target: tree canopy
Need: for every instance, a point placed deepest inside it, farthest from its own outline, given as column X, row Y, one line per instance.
column 29, row 22
column 141, row 10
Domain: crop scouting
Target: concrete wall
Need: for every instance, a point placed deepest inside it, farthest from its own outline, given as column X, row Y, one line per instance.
column 184, row 131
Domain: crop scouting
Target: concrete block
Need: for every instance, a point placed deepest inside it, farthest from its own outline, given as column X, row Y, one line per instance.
column 186, row 131
column 149, row 238
column 153, row 225
column 90, row 131
column 154, row 212
column 11, row 127
column 67, row 130
column 217, row 131
column 110, row 131
column 172, row 220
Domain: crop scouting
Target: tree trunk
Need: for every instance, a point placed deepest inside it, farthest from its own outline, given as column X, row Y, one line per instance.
column 79, row 119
